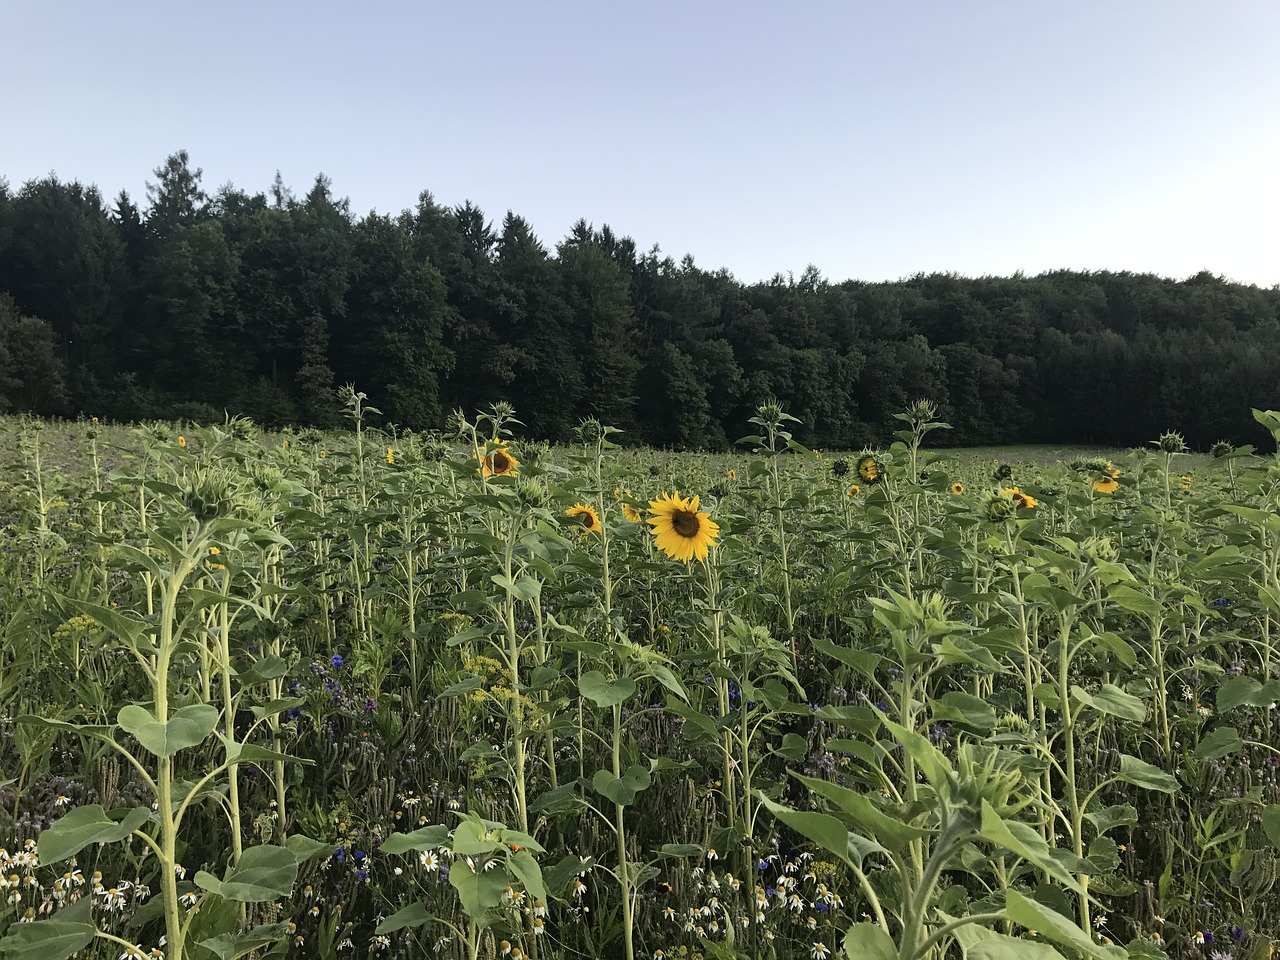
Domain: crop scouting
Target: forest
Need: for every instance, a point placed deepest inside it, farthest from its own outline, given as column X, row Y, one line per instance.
column 198, row 306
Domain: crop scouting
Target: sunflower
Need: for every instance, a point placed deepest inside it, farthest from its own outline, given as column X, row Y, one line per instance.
column 498, row 461
column 870, row 470
column 733, row 475
column 853, row 491
column 587, row 515
column 957, row 488
column 628, row 511
column 1018, row 497
column 1107, row 482
column 679, row 530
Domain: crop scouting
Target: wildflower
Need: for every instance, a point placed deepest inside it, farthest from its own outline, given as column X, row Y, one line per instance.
column 819, row 951
column 62, row 801
column 134, row 953
column 336, row 661
column 498, row 461
column 587, row 517
column 579, row 889
column 957, row 488
column 679, row 530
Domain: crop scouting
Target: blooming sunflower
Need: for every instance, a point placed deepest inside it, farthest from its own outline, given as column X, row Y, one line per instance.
column 957, row 488
column 498, row 461
column 853, row 491
column 679, row 530
column 870, row 470
column 1107, row 482
column 587, row 516
column 1018, row 497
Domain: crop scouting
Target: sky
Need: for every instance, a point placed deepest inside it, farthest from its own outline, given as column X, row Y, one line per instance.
column 873, row 140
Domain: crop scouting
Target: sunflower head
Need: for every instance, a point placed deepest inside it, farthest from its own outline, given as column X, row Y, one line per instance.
column 1221, row 449
column 1171, row 442
column 1003, row 471
column 839, row 468
column 498, row 461
column 853, row 491
column 997, row 507
column 586, row 516
column 870, row 469
column 1020, row 500
column 1106, row 485
column 679, row 529
column 628, row 510
column 957, row 488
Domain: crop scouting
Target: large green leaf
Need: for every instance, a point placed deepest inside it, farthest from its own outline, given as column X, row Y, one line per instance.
column 824, row 830
column 1271, row 823
column 595, row 686
column 85, row 825
column 414, row 915
column 866, row 816
column 230, row 946
column 186, row 728
column 479, row 890
column 1110, row 699
column 1142, row 774
column 1246, row 692
column 1000, row 947
column 1222, row 742
column 867, row 941
column 264, row 873
column 66, row 934
column 424, row 838
column 622, row 790
column 1054, row 926
column 1025, row 842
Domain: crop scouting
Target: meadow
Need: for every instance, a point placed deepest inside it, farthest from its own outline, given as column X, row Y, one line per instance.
column 464, row 695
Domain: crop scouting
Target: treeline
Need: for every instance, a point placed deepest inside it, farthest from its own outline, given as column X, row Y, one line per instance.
column 262, row 304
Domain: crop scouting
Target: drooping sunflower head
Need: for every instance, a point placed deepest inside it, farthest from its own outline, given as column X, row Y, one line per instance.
column 586, row 516
column 1106, row 485
column 1020, row 500
column 498, row 461
column 679, row 529
column 957, row 488
column 1003, row 471
column 839, row 468
column 870, row 469
column 1171, row 442
column 1221, row 449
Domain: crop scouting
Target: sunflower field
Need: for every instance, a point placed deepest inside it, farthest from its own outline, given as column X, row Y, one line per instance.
column 463, row 695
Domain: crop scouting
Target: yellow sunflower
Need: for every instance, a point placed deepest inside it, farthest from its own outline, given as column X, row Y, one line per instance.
column 628, row 511
column 957, row 488
column 679, row 530
column 1018, row 497
column 1107, row 481
column 587, row 516
column 498, row 461
column 869, row 469
column 853, row 491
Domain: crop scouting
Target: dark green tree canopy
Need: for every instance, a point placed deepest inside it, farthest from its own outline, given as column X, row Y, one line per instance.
column 197, row 305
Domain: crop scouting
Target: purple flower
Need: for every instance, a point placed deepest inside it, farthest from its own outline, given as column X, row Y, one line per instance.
column 336, row 661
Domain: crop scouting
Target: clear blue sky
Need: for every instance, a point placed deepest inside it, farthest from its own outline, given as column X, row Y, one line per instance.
column 872, row 139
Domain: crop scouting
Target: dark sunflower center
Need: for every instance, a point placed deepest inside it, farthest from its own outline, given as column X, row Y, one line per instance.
column 685, row 523
column 501, row 462
column 588, row 521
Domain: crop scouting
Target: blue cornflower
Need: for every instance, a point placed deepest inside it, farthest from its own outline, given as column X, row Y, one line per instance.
column 336, row 661
column 340, row 854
